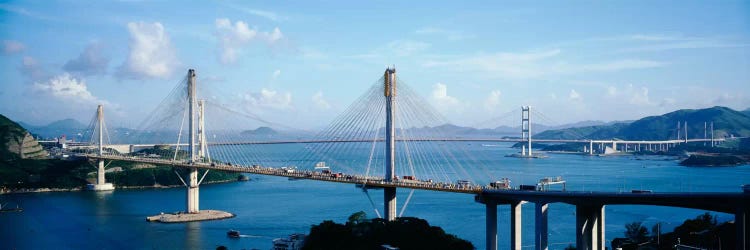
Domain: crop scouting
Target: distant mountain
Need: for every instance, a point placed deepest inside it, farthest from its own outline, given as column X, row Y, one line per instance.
column 261, row 131
column 746, row 111
column 727, row 122
column 69, row 127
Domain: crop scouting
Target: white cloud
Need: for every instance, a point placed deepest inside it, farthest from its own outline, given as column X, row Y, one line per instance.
column 574, row 96
column 11, row 47
column 89, row 62
column 452, row 35
column 492, row 100
column 406, row 47
column 275, row 35
column 268, row 99
column 233, row 37
column 68, row 88
column 319, row 101
column 532, row 64
column 276, row 74
column 265, row 14
column 24, row 12
column 618, row 65
column 612, row 91
column 639, row 97
column 440, row 95
column 270, row 15
column 151, row 52
column 31, row 69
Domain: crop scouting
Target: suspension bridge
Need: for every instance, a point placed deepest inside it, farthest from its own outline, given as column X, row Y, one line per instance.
column 373, row 145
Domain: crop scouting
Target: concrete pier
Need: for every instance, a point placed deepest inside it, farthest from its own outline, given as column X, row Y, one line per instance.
column 181, row 217
column 192, row 185
column 389, row 91
column 589, row 227
column 101, row 183
column 540, row 232
column 515, row 225
column 740, row 222
column 389, row 201
column 491, row 225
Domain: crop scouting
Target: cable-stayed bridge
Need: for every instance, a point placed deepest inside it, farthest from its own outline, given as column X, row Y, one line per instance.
column 372, row 145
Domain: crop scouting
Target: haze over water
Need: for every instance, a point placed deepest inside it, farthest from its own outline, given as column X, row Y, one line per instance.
column 273, row 207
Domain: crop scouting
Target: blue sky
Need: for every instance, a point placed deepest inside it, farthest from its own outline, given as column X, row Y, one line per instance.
column 303, row 62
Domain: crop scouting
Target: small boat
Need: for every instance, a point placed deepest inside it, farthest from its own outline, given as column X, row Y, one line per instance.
column 5, row 208
column 233, row 234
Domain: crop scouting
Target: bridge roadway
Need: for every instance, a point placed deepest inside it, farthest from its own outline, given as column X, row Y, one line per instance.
column 129, row 148
column 590, row 218
column 370, row 181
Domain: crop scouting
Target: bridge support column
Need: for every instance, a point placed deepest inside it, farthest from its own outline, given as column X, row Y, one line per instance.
column 540, row 232
column 192, row 192
column 740, row 222
column 192, row 185
column 101, row 183
column 515, row 225
column 589, row 227
column 591, row 147
column 491, row 225
column 389, row 196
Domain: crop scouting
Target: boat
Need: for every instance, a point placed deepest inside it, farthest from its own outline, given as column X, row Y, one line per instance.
column 233, row 234
column 4, row 208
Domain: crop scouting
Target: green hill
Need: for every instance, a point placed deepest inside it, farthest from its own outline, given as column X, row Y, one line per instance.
column 16, row 142
column 727, row 122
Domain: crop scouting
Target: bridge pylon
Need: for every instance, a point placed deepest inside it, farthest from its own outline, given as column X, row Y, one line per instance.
column 192, row 186
column 389, row 91
column 526, row 131
column 101, row 183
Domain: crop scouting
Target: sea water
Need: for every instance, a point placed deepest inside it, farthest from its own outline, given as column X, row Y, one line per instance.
column 273, row 207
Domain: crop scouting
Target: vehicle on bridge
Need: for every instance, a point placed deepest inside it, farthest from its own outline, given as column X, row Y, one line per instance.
column 463, row 183
column 503, row 183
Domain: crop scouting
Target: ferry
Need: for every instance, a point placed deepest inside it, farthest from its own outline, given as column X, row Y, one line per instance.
column 233, row 234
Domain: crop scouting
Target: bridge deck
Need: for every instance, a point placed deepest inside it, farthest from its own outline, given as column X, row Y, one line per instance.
column 721, row 202
column 714, row 201
column 308, row 175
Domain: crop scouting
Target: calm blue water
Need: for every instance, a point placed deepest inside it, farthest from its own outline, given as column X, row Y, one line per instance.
column 272, row 207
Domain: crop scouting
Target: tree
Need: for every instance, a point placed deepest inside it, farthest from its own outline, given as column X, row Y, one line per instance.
column 357, row 217
column 636, row 232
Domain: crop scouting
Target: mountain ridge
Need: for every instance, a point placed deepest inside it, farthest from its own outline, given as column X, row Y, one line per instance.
column 727, row 122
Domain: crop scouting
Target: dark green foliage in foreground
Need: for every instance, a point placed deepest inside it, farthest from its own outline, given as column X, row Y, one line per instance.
column 359, row 233
column 28, row 173
column 52, row 173
column 161, row 175
column 701, row 232
column 712, row 160
column 636, row 232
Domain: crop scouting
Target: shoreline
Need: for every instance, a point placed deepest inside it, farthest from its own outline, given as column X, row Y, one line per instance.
column 79, row 189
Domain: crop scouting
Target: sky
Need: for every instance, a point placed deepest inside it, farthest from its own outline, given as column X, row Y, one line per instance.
column 301, row 63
